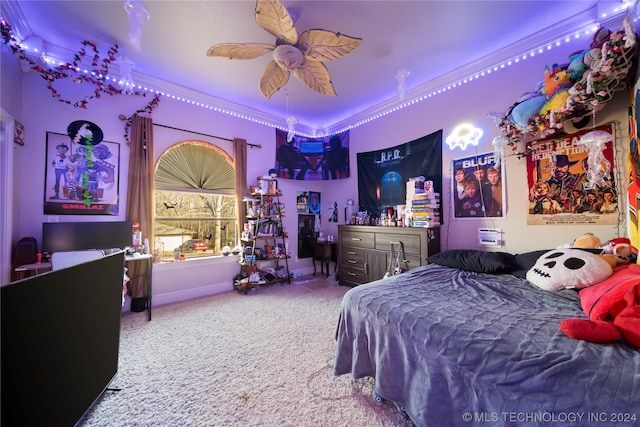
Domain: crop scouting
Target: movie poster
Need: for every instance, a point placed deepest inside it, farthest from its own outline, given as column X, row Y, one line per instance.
column 308, row 202
column 561, row 189
column 382, row 174
column 81, row 179
column 633, row 181
column 312, row 159
column 477, row 188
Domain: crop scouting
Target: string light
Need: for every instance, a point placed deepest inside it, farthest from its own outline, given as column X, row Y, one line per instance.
column 472, row 77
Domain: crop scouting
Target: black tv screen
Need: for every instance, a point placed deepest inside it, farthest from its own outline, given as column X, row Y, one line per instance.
column 60, row 342
column 72, row 236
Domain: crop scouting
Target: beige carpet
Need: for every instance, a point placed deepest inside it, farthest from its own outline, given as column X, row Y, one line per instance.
column 262, row 359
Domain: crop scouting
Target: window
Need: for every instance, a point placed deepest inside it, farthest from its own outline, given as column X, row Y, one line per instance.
column 195, row 202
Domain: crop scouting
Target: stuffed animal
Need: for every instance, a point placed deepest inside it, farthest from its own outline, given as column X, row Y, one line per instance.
column 621, row 248
column 587, row 241
column 557, row 82
column 592, row 242
column 613, row 307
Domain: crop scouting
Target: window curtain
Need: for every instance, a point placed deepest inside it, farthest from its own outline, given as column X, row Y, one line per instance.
column 240, row 159
column 140, row 202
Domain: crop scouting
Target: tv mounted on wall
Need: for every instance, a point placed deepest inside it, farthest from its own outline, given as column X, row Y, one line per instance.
column 73, row 236
column 60, row 342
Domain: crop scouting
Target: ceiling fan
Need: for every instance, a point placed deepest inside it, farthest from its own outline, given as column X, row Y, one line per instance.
column 301, row 55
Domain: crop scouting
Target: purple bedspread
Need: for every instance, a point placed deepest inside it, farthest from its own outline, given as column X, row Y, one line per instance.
column 453, row 348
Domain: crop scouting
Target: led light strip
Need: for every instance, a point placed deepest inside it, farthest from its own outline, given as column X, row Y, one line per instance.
column 591, row 29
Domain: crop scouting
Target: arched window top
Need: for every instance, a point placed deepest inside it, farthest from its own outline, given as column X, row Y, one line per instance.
column 195, row 165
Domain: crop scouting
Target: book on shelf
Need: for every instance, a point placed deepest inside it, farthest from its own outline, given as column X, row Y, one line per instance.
column 426, row 196
column 425, row 224
column 424, row 207
column 432, row 214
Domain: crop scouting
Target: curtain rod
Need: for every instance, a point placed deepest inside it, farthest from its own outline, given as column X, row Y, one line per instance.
column 204, row 134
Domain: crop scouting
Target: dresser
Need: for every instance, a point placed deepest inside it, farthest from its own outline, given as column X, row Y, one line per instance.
column 364, row 251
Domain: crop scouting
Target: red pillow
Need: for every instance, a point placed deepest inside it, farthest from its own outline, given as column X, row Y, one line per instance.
column 613, row 307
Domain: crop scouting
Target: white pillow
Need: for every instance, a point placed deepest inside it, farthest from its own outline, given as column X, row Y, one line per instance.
column 568, row 268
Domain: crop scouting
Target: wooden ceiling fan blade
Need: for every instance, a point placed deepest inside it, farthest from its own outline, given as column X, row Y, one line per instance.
column 275, row 19
column 273, row 78
column 240, row 50
column 316, row 77
column 323, row 45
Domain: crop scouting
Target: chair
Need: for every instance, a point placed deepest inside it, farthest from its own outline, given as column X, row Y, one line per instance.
column 69, row 258
column 24, row 253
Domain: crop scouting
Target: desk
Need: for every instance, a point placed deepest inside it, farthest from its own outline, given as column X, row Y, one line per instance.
column 325, row 252
column 149, row 259
column 43, row 267
column 32, row 269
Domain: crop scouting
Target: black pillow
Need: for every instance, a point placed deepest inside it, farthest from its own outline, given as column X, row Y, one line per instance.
column 524, row 261
column 474, row 260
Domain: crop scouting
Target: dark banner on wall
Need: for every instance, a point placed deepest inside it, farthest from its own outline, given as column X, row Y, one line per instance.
column 80, row 180
column 562, row 190
column 312, row 159
column 382, row 174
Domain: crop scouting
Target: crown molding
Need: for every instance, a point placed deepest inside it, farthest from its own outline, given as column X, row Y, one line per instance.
column 559, row 31
column 541, row 39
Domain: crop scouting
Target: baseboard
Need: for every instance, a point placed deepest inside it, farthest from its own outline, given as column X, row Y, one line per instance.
column 192, row 293
column 183, row 295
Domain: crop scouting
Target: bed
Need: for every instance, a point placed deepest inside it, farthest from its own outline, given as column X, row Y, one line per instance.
column 450, row 346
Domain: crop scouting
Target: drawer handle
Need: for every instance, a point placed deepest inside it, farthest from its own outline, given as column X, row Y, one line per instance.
column 350, row 261
column 356, row 239
column 350, row 273
column 351, row 252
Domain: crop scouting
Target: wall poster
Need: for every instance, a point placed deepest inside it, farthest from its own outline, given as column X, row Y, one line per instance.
column 81, row 179
column 477, row 188
column 560, row 192
column 312, row 159
column 383, row 174
column 633, row 181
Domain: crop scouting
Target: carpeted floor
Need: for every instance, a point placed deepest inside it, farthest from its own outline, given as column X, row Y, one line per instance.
column 262, row 359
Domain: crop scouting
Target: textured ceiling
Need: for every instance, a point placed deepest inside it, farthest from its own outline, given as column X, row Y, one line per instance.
column 430, row 39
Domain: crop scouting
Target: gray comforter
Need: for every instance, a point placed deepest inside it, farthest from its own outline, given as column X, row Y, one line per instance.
column 452, row 347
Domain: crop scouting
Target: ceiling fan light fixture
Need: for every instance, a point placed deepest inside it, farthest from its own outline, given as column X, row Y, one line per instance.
column 288, row 57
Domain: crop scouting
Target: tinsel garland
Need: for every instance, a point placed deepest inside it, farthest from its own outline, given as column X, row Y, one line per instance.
column 100, row 69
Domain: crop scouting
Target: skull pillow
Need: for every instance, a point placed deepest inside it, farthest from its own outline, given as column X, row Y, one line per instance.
column 568, row 268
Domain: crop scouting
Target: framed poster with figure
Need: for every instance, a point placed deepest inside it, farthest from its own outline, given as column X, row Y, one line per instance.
column 477, row 190
column 81, row 178
column 571, row 182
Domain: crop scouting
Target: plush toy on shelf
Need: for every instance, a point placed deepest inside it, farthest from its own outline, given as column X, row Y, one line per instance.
column 585, row 84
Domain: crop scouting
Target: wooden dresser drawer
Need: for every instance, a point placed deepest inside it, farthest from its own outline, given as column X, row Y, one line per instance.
column 351, row 255
column 411, row 242
column 414, row 261
column 353, row 275
column 358, row 239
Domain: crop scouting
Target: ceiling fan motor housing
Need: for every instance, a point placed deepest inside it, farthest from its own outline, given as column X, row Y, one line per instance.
column 288, row 57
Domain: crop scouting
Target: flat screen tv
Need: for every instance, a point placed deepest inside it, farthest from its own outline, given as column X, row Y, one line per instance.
column 60, row 342
column 73, row 236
